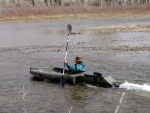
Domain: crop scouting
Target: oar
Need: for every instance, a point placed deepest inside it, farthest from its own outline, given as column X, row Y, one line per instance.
column 62, row 80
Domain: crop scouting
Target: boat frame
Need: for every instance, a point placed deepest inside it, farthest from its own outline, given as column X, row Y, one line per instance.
column 53, row 74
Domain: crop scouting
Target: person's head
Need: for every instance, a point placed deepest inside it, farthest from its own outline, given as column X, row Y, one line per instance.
column 78, row 59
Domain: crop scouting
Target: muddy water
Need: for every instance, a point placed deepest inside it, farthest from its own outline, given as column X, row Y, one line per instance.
column 24, row 45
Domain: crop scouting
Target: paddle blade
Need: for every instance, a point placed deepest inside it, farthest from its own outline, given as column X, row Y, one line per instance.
column 69, row 29
column 62, row 82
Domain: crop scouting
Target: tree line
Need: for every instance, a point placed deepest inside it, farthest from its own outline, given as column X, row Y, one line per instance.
column 79, row 2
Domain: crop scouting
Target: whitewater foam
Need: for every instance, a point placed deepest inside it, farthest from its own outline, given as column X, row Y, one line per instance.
column 135, row 87
column 89, row 85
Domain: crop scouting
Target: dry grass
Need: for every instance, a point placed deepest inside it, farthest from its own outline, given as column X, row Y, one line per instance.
column 58, row 12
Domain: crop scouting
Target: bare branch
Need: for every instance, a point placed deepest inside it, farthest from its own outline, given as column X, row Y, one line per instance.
column 69, row 110
column 119, row 102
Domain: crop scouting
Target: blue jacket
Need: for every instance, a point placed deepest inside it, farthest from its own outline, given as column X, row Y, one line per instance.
column 80, row 67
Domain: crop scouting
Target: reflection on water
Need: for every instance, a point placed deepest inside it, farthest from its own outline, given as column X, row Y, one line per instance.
column 24, row 45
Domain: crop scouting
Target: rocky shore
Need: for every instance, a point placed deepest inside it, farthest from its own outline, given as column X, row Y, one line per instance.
column 143, row 27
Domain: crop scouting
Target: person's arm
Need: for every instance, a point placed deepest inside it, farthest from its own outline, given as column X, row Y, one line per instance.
column 70, row 67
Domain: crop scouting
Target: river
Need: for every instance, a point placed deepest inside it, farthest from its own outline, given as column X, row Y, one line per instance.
column 27, row 44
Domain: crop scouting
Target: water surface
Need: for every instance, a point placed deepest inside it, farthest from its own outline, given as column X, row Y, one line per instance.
column 24, row 45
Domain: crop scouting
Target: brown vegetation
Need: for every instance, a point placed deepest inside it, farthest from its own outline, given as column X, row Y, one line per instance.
column 62, row 12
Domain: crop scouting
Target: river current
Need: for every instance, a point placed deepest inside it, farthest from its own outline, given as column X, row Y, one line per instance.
column 28, row 44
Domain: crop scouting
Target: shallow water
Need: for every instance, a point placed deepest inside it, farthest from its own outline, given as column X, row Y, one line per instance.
column 24, row 45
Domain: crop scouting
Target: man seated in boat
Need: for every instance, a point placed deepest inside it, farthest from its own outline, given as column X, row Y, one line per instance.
column 79, row 66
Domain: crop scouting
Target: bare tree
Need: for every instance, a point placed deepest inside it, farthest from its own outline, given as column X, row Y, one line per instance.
column 50, row 2
column 33, row 3
column 58, row 2
column 129, row 2
column 109, row 2
column 143, row 2
column 13, row 2
column 46, row 2
column 82, row 1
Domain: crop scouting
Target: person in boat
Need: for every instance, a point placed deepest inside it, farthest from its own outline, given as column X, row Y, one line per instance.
column 79, row 65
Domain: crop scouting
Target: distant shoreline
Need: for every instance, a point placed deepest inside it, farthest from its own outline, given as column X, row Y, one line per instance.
column 139, row 27
column 68, row 17
column 22, row 14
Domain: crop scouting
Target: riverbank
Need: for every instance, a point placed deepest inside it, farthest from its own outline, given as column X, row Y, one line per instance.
column 22, row 14
column 68, row 17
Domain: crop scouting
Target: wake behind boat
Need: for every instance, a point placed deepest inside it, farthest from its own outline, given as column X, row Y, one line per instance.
column 54, row 74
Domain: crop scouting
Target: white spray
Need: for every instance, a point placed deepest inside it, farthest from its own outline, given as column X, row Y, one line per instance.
column 136, row 87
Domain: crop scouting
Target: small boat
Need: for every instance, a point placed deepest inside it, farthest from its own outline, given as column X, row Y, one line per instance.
column 54, row 73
